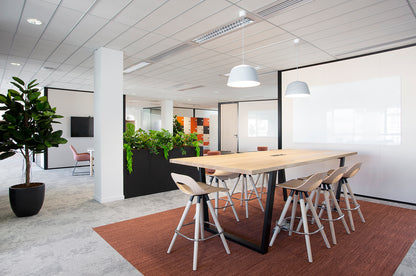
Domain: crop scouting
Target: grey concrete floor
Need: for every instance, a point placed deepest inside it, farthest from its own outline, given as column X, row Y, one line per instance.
column 60, row 240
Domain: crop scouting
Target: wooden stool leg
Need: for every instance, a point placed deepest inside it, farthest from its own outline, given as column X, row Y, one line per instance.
column 185, row 213
column 318, row 223
column 281, row 219
column 329, row 211
column 307, row 208
column 201, row 221
column 305, row 227
column 217, row 224
column 292, row 217
column 355, row 202
column 334, row 199
column 347, row 203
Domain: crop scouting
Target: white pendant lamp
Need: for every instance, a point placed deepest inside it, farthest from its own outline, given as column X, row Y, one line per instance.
column 297, row 88
column 243, row 75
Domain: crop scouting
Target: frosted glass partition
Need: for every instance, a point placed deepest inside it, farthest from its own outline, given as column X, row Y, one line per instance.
column 257, row 125
column 202, row 113
column 359, row 112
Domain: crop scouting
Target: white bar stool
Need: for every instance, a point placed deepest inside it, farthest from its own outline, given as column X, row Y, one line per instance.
column 299, row 189
column 201, row 190
column 245, row 195
column 327, row 188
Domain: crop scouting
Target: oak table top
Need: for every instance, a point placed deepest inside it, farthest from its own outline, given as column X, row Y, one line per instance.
column 261, row 161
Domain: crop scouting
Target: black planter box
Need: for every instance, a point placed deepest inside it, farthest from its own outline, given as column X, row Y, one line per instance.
column 151, row 173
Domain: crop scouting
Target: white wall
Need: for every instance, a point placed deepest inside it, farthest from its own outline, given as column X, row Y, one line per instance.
column 387, row 171
column 69, row 103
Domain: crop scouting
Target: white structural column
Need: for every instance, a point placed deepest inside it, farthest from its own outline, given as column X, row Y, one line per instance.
column 167, row 115
column 108, row 125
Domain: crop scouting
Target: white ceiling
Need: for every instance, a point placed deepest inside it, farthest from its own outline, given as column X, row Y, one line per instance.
column 59, row 53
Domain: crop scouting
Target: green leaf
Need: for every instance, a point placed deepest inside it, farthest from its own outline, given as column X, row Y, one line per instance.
column 18, row 86
column 19, row 80
column 3, row 99
column 13, row 93
column 29, row 85
column 33, row 96
column 5, row 155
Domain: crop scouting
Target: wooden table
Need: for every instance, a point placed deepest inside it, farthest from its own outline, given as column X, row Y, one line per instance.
column 273, row 162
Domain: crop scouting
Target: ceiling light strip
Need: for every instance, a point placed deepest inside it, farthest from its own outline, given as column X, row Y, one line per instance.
column 280, row 6
column 223, row 30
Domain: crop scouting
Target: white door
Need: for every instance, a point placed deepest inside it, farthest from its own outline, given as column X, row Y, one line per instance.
column 229, row 127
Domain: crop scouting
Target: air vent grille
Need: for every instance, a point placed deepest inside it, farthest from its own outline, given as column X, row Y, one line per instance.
column 223, row 30
column 169, row 52
column 270, row 10
column 190, row 88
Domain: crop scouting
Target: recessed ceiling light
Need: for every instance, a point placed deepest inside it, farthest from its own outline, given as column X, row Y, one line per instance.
column 15, row 63
column 34, row 21
column 136, row 67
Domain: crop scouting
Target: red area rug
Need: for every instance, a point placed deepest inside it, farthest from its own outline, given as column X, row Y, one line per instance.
column 375, row 248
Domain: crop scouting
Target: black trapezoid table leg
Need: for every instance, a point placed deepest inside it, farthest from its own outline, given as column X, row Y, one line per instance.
column 338, row 192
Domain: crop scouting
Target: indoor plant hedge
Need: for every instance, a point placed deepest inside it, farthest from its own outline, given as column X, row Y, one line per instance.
column 147, row 153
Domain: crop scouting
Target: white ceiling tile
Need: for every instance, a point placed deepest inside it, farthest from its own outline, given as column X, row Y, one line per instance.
column 43, row 49
column 138, row 10
column 23, row 45
column 36, row 9
column 141, row 44
column 61, row 24
column 126, row 38
column 106, row 34
column 250, row 5
column 192, row 16
column 5, row 42
column 63, row 52
column 108, row 8
column 85, row 29
column 78, row 5
column 165, row 13
column 79, row 56
column 159, row 47
column 10, row 11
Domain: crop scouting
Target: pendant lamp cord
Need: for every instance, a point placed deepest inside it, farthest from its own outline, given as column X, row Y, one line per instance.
column 243, row 44
column 297, row 61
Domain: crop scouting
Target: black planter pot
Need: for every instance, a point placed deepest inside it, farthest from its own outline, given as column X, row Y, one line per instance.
column 151, row 173
column 26, row 201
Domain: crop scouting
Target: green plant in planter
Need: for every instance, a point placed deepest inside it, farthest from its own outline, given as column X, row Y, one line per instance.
column 27, row 124
column 155, row 141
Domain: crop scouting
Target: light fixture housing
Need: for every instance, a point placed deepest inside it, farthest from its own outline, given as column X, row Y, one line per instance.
column 297, row 89
column 243, row 76
column 136, row 67
column 15, row 63
column 34, row 21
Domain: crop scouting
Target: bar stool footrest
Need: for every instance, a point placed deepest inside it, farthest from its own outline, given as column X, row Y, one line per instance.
column 204, row 239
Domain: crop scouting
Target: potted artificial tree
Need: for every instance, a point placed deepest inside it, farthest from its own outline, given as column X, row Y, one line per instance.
column 27, row 127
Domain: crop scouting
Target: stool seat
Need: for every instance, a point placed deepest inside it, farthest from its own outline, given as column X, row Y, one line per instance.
column 206, row 189
column 224, row 175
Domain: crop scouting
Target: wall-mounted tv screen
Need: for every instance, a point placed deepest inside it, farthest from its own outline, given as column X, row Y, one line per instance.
column 82, row 126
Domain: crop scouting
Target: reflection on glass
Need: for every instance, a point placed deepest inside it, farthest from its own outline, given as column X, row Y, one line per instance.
column 362, row 112
column 259, row 123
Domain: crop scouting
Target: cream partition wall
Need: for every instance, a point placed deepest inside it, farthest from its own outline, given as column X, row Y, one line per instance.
column 379, row 121
column 69, row 103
